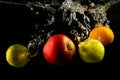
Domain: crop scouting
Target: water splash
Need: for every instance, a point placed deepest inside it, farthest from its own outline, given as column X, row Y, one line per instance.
column 76, row 16
column 80, row 18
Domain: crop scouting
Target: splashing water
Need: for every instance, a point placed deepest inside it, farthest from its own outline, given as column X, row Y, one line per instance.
column 80, row 18
column 75, row 16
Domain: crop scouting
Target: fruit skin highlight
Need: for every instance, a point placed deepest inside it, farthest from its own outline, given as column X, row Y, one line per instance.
column 17, row 55
column 91, row 51
column 59, row 49
column 102, row 33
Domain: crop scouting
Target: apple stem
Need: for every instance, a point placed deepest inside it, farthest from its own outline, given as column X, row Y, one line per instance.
column 31, row 56
column 76, row 37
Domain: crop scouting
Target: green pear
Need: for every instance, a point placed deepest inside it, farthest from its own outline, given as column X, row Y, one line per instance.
column 91, row 51
column 17, row 55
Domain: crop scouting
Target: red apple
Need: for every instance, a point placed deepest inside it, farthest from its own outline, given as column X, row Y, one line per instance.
column 59, row 49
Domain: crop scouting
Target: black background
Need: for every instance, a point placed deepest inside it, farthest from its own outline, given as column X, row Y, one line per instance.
column 16, row 26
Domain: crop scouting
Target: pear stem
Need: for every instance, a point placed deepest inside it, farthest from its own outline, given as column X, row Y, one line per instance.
column 31, row 56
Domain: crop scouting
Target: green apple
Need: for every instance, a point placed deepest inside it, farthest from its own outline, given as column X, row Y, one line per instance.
column 17, row 55
column 91, row 51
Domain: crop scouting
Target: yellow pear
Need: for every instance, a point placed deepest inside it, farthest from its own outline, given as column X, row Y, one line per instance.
column 17, row 55
column 91, row 51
